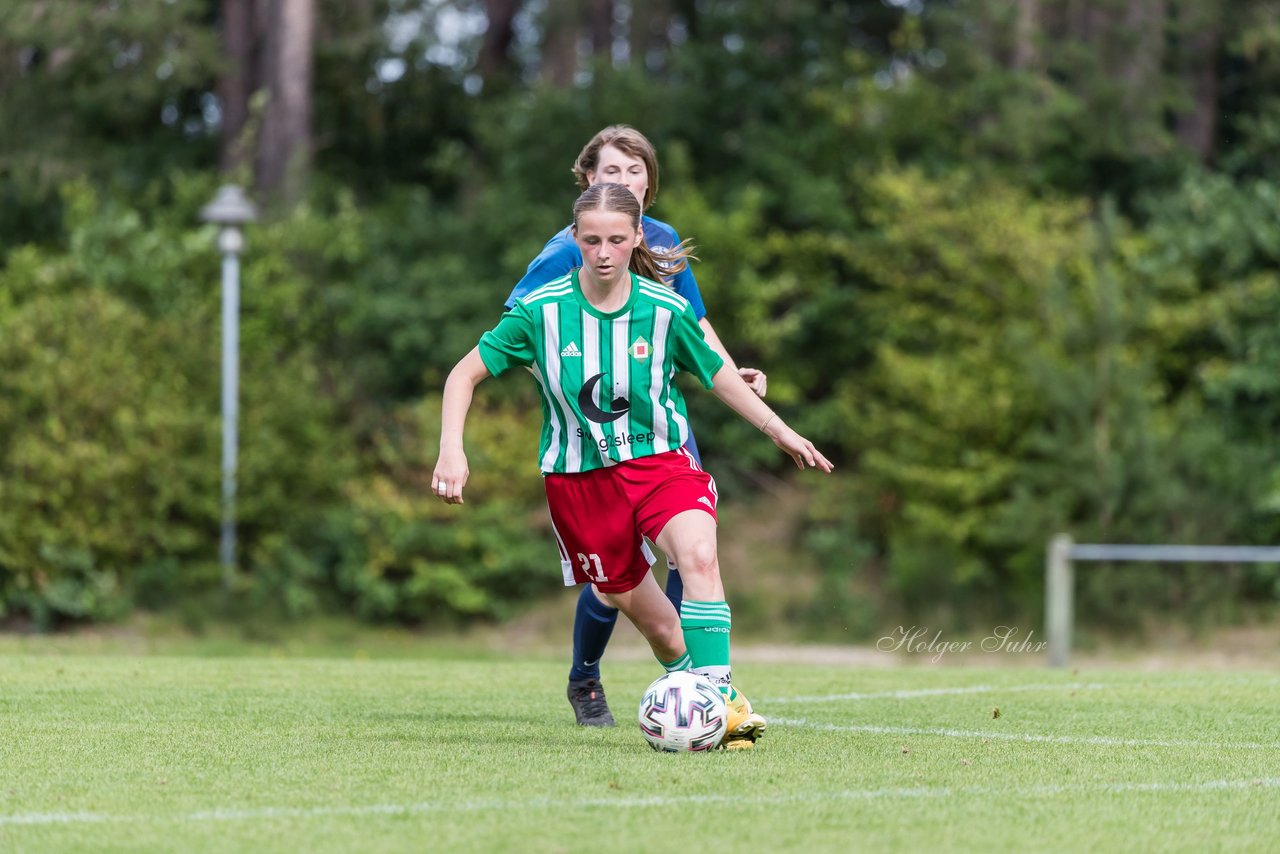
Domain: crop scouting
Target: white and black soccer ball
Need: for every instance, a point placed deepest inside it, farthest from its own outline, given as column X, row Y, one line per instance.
column 683, row 712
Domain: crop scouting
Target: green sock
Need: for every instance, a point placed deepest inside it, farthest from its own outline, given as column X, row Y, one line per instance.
column 681, row 663
column 706, row 635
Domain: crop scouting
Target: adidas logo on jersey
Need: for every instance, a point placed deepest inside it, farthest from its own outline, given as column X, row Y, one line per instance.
column 571, row 350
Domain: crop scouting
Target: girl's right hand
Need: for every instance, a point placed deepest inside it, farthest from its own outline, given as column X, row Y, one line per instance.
column 450, row 476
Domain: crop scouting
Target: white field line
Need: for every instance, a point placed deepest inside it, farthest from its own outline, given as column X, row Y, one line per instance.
column 907, row 694
column 654, row 801
column 910, row 693
column 876, row 729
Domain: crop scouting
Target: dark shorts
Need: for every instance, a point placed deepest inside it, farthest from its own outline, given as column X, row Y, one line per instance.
column 601, row 517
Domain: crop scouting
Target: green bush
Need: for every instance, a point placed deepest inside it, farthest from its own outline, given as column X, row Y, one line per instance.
column 111, row 463
column 109, row 414
column 403, row 554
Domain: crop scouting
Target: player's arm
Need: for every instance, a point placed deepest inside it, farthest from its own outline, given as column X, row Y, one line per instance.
column 686, row 285
column 451, row 467
column 556, row 259
column 754, row 377
column 735, row 392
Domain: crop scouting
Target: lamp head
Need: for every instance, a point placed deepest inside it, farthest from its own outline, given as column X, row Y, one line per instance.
column 230, row 207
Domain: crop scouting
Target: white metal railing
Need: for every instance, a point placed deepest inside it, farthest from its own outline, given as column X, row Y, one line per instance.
column 1059, row 575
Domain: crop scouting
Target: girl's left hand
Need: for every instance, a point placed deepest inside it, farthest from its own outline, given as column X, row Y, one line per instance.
column 797, row 447
column 755, row 380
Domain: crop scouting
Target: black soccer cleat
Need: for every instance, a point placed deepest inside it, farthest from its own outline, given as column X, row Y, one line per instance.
column 589, row 705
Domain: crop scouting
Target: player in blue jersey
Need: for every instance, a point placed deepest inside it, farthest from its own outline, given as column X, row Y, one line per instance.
column 622, row 155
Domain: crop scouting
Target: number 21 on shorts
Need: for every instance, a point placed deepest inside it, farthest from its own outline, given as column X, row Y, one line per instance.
column 587, row 561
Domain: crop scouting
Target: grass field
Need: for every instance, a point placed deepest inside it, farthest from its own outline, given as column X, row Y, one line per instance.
column 130, row 753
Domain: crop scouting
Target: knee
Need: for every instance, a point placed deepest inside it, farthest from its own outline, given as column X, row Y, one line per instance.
column 699, row 558
column 660, row 628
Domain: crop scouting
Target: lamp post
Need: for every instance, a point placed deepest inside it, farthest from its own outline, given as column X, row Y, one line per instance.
column 229, row 209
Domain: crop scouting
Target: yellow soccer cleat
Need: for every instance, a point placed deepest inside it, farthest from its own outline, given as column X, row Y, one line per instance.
column 745, row 726
column 737, row 744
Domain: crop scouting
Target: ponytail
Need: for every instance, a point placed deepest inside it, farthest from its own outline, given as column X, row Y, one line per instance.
column 661, row 265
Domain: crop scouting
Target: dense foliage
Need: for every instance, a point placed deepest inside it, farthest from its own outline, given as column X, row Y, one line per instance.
column 1007, row 299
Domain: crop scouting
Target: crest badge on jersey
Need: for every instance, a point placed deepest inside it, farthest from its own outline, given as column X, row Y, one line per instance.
column 639, row 349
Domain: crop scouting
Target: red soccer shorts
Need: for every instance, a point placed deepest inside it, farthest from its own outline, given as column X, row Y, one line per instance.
column 601, row 516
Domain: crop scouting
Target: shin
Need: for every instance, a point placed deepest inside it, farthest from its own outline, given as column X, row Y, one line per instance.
column 653, row 615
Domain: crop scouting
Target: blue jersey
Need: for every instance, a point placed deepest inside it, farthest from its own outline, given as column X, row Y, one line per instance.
column 561, row 255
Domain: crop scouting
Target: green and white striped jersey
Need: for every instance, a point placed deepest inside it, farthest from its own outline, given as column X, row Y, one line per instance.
column 606, row 378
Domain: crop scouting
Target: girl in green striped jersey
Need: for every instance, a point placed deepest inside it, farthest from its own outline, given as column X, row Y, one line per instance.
column 604, row 345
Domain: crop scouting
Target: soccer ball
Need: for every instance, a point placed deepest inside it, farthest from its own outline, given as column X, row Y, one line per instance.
column 683, row 712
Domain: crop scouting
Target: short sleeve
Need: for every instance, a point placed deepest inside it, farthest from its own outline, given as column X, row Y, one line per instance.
column 661, row 235
column 686, row 286
column 510, row 344
column 691, row 351
column 557, row 258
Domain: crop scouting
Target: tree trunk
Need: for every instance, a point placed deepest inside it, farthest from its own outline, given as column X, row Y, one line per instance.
column 494, row 62
column 1140, row 56
column 562, row 25
column 284, row 150
column 602, row 29
column 237, row 81
column 1201, row 31
column 650, row 24
column 1026, row 32
column 1087, row 20
column 688, row 12
column 1142, row 49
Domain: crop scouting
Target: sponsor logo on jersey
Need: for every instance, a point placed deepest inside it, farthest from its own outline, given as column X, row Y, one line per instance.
column 639, row 349
column 571, row 350
column 587, row 403
column 621, row 439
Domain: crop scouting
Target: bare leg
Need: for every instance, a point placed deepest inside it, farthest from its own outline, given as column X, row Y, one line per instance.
column 689, row 539
column 652, row 613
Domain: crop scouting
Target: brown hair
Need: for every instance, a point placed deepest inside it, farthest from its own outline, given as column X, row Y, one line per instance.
column 658, row 265
column 630, row 142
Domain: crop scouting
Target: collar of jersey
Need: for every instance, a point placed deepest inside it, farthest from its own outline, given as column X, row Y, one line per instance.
column 595, row 312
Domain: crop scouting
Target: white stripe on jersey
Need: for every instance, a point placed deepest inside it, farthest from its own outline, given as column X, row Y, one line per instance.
column 661, row 320
column 532, row 303
column 682, row 425
column 548, row 461
column 660, row 285
column 591, row 367
column 561, row 285
column 663, row 317
column 551, row 357
column 621, row 371
column 660, row 294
